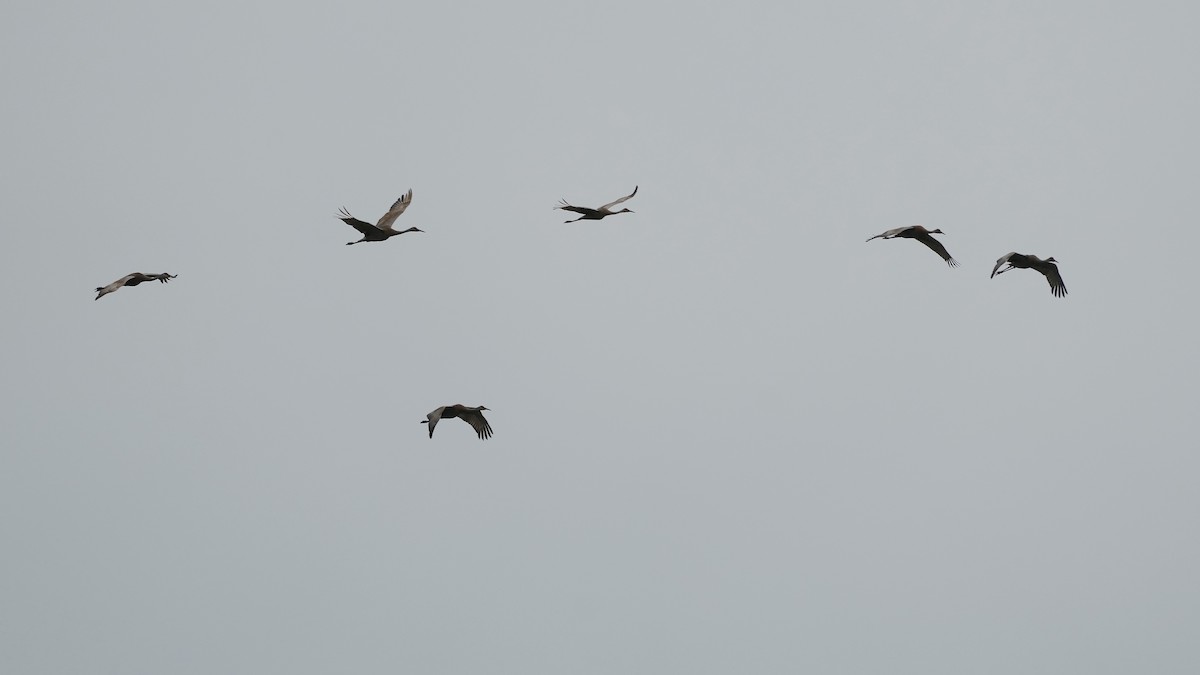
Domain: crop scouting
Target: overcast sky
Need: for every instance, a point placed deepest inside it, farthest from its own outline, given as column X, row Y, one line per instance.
column 730, row 435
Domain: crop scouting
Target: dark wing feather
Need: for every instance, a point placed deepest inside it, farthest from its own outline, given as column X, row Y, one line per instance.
column 937, row 247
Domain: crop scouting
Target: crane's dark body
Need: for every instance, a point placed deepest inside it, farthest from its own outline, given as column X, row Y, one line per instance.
column 588, row 213
column 1047, row 267
column 372, row 233
column 132, row 280
column 470, row 415
column 922, row 235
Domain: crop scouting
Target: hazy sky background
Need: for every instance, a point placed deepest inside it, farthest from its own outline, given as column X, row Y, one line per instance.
column 730, row 435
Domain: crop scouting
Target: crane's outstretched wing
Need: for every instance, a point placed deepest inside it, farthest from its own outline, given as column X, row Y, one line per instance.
column 614, row 203
column 362, row 226
column 576, row 209
column 1057, row 288
column 478, row 423
column 432, row 419
column 385, row 223
column 938, row 248
column 890, row 233
column 105, row 290
column 1003, row 259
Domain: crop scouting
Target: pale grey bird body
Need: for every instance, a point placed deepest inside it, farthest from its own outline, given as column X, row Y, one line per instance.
column 588, row 213
column 922, row 235
column 468, row 414
column 1048, row 268
column 383, row 230
column 132, row 280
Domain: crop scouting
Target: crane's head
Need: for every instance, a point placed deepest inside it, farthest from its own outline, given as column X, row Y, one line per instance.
column 938, row 231
column 414, row 229
column 484, row 407
column 625, row 211
column 1051, row 259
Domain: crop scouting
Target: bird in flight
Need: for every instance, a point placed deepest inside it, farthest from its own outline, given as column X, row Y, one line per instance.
column 468, row 414
column 922, row 235
column 132, row 280
column 1047, row 267
column 382, row 230
column 597, row 213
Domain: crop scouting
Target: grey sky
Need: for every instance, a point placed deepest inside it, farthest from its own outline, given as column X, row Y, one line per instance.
column 730, row 435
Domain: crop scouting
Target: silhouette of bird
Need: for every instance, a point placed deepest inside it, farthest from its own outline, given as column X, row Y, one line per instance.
column 1047, row 267
column 132, row 280
column 922, row 235
column 597, row 213
column 383, row 230
column 472, row 416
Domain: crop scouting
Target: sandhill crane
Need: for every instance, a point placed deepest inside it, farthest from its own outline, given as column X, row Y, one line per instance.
column 382, row 230
column 132, row 280
column 922, row 235
column 1047, row 267
column 597, row 213
column 472, row 416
